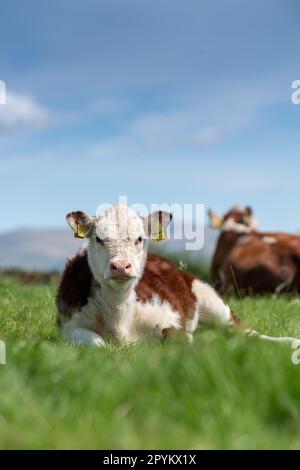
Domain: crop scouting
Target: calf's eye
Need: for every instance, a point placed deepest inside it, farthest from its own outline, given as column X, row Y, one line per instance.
column 139, row 240
column 100, row 241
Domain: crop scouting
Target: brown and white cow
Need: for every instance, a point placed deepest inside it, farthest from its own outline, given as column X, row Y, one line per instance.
column 113, row 289
column 253, row 262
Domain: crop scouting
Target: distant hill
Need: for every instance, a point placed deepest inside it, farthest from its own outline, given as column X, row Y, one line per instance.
column 43, row 249
column 48, row 249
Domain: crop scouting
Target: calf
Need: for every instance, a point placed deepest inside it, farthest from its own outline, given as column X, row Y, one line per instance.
column 250, row 261
column 113, row 290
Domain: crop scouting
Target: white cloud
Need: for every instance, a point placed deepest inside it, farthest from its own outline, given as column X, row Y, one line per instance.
column 209, row 120
column 22, row 112
column 108, row 106
column 207, row 136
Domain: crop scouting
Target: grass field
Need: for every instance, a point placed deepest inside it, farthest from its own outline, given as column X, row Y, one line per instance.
column 224, row 391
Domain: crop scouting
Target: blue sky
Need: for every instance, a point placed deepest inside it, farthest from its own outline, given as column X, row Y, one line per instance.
column 164, row 101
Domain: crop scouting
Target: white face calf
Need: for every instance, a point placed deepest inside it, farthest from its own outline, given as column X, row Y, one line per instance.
column 118, row 242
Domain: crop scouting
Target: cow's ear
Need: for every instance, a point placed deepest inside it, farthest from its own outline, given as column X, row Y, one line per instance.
column 249, row 218
column 81, row 223
column 215, row 220
column 156, row 225
column 249, row 211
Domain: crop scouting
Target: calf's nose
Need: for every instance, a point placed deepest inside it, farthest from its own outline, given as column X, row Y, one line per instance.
column 120, row 269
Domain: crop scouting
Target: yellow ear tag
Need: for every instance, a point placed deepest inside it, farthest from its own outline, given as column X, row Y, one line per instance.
column 82, row 232
column 217, row 223
column 160, row 234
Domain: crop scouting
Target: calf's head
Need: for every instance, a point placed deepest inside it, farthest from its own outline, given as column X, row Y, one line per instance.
column 117, row 245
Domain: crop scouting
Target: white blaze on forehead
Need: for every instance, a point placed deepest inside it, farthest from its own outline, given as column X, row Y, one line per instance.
column 232, row 226
column 119, row 223
column 269, row 240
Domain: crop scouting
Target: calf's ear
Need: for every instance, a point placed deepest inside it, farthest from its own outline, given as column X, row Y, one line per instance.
column 156, row 225
column 82, row 224
column 215, row 219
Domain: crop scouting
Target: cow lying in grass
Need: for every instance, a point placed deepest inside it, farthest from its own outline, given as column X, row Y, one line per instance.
column 253, row 262
column 113, row 290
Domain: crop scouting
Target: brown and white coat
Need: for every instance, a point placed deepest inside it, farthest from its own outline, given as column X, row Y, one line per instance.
column 253, row 262
column 113, row 289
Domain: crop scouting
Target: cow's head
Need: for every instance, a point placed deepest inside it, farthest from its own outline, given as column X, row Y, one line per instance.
column 237, row 219
column 117, row 243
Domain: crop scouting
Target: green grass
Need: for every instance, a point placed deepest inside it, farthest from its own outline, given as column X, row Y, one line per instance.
column 224, row 391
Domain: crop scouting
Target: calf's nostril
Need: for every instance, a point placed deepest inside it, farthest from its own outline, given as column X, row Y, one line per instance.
column 120, row 266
